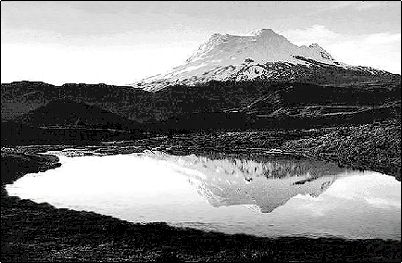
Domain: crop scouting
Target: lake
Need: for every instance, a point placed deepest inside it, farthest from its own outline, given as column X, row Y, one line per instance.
column 270, row 196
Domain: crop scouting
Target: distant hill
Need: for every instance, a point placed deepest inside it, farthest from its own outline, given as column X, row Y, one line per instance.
column 70, row 114
column 67, row 122
column 214, row 104
column 18, row 98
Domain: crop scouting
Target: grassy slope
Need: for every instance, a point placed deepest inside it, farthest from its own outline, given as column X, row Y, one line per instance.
column 371, row 146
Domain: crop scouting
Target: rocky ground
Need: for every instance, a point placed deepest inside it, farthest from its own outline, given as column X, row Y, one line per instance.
column 370, row 147
column 40, row 232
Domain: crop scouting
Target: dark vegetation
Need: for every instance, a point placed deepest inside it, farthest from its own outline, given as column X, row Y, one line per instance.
column 15, row 165
column 64, row 121
column 13, row 133
column 66, row 113
column 371, row 146
column 249, row 97
column 101, row 112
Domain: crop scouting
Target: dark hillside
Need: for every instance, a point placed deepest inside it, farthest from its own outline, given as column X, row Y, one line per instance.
column 65, row 113
column 252, row 97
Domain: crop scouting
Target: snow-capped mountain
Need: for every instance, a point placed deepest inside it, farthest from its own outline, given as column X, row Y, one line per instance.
column 263, row 55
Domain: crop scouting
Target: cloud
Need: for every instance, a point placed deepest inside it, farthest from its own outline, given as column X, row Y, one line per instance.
column 358, row 5
column 318, row 32
column 379, row 50
column 364, row 5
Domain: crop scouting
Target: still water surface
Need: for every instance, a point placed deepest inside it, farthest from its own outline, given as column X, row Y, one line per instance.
column 264, row 196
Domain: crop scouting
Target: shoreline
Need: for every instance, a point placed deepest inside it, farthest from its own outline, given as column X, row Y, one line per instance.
column 87, row 236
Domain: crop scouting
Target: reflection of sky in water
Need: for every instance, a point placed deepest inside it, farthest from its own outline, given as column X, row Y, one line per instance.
column 230, row 195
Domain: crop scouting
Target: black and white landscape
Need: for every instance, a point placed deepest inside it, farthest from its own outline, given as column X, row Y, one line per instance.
column 125, row 138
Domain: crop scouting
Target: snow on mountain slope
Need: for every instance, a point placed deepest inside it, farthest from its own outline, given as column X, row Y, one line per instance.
column 263, row 55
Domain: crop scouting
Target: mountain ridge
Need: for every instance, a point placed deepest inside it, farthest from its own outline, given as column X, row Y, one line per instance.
column 264, row 55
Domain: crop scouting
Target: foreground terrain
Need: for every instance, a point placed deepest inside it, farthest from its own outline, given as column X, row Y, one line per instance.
column 354, row 124
column 40, row 232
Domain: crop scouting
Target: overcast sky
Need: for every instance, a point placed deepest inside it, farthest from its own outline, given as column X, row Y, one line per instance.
column 121, row 42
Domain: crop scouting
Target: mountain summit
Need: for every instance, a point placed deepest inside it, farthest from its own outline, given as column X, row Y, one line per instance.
column 263, row 55
column 263, row 46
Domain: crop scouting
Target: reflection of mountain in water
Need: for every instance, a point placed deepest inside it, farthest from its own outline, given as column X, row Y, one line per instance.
column 267, row 183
